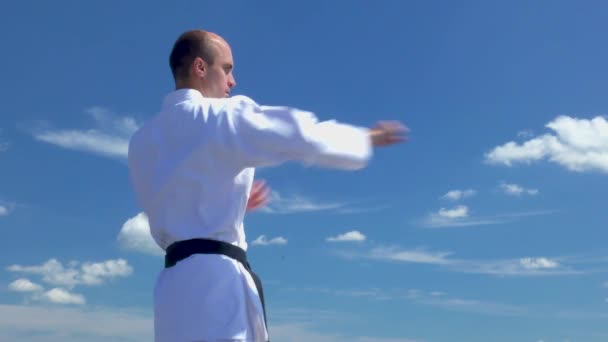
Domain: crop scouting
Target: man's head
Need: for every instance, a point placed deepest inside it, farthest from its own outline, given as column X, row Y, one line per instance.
column 203, row 61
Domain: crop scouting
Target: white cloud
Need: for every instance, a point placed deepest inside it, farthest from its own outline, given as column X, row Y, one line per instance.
column 540, row 266
column 517, row 190
column 24, row 285
column 53, row 272
column 135, row 235
column 435, row 220
column 349, row 236
column 457, row 212
column 449, row 217
column 459, row 194
column 577, row 144
column 281, row 204
column 62, row 296
column 110, row 138
column 538, row 263
column 96, row 273
column 263, row 241
column 3, row 210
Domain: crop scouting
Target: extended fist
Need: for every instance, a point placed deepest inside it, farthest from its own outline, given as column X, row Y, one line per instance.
column 386, row 133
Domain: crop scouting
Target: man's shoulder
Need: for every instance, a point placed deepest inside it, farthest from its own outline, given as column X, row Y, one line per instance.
column 242, row 100
column 228, row 105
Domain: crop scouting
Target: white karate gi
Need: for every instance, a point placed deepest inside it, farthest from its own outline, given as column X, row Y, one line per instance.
column 192, row 169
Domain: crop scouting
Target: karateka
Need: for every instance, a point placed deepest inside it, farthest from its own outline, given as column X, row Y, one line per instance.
column 192, row 168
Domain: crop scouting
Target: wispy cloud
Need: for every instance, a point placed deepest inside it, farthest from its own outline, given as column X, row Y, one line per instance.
column 3, row 210
column 135, row 235
column 280, row 204
column 456, row 195
column 109, row 137
column 263, row 241
column 53, row 272
column 460, row 217
column 290, row 204
column 352, row 236
column 437, row 299
column 417, row 256
column 475, row 306
column 523, row 266
column 576, row 144
column 455, row 217
column 375, row 293
column 517, row 190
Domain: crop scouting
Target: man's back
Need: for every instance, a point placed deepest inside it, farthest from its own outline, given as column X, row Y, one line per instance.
column 184, row 174
column 192, row 168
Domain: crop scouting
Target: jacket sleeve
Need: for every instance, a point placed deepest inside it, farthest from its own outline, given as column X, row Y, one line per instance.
column 270, row 135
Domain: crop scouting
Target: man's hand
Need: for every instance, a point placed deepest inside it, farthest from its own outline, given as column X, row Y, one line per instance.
column 260, row 193
column 388, row 133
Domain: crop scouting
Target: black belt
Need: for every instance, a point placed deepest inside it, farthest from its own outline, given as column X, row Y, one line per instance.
column 182, row 249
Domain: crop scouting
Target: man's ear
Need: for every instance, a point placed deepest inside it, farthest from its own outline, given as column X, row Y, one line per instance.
column 199, row 67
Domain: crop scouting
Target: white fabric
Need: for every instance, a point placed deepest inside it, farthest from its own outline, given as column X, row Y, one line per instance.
column 192, row 168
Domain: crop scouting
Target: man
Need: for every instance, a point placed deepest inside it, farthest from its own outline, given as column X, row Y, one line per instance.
column 192, row 168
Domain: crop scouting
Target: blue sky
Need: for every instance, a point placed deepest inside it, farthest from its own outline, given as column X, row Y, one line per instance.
column 489, row 225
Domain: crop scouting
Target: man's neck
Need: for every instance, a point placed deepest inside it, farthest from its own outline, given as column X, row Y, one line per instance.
column 190, row 85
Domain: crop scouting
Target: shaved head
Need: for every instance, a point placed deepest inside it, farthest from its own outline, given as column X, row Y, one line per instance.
column 192, row 44
column 203, row 60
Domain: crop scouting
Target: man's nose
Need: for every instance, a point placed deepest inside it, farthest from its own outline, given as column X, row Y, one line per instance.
column 231, row 82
